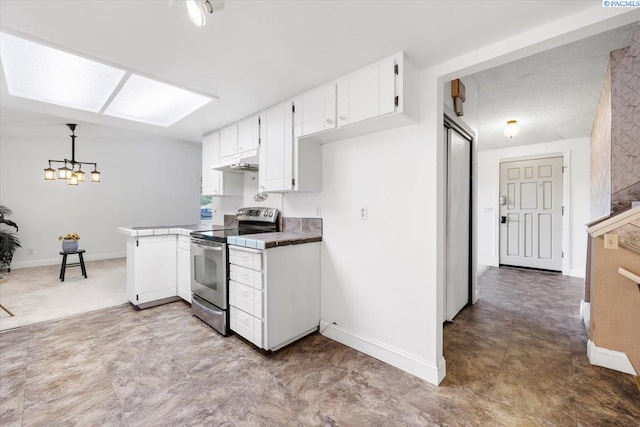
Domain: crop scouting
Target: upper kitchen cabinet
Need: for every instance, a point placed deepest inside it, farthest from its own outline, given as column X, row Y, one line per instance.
column 229, row 141
column 249, row 134
column 315, row 111
column 276, row 148
column 381, row 96
column 216, row 183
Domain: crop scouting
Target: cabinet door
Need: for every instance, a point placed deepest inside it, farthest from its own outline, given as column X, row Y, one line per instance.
column 367, row 93
column 316, row 111
column 210, row 157
column 276, row 149
column 184, row 275
column 155, row 268
column 229, row 140
column 248, row 134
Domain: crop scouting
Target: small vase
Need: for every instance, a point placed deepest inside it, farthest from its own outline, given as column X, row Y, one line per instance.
column 70, row 245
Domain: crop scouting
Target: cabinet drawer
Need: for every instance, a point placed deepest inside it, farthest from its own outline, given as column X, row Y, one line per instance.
column 245, row 258
column 245, row 298
column 246, row 326
column 246, row 276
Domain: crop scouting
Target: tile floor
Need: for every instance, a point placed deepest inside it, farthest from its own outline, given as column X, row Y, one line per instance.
column 518, row 357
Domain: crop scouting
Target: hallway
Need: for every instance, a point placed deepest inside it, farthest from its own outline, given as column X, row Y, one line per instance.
column 522, row 347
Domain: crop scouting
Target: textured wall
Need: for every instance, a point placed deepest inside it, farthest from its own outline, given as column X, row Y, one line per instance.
column 625, row 125
column 600, row 177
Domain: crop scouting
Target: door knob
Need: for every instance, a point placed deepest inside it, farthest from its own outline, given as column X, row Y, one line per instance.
column 343, row 118
column 503, row 220
column 328, row 120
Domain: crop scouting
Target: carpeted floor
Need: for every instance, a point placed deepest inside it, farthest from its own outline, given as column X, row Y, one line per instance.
column 35, row 295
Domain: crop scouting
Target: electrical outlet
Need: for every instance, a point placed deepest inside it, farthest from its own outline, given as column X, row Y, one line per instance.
column 611, row 241
column 319, row 211
column 30, row 252
column 363, row 213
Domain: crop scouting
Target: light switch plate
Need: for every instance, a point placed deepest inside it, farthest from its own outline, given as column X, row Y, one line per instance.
column 363, row 213
column 611, row 241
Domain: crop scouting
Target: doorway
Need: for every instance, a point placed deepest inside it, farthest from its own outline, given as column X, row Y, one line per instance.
column 531, row 195
column 458, row 289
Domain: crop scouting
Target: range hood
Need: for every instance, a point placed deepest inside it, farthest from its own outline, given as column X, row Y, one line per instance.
column 243, row 162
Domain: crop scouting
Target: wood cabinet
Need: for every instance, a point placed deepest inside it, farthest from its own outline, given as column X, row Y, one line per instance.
column 315, row 111
column 274, row 293
column 217, row 183
column 183, row 268
column 151, row 268
column 276, row 148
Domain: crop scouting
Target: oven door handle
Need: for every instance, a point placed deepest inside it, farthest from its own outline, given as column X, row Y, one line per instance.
column 209, row 248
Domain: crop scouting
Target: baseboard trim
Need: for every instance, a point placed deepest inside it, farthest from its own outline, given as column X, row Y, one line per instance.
column 56, row 261
column 585, row 313
column 576, row 272
column 616, row 360
column 424, row 369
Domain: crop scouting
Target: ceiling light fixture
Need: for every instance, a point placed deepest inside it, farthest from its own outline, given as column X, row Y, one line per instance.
column 72, row 175
column 512, row 129
column 197, row 11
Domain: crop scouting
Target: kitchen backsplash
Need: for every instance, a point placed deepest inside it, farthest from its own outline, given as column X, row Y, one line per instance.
column 302, row 225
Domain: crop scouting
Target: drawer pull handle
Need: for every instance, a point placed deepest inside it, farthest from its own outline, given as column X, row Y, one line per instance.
column 244, row 293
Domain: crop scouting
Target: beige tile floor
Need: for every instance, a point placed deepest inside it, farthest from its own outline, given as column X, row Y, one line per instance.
column 517, row 358
column 35, row 295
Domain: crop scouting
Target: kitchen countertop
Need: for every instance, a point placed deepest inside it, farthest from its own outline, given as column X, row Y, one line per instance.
column 157, row 230
column 273, row 240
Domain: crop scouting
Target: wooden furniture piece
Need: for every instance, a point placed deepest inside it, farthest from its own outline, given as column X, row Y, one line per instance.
column 80, row 263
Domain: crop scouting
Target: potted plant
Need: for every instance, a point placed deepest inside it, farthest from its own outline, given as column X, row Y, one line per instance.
column 70, row 242
column 9, row 242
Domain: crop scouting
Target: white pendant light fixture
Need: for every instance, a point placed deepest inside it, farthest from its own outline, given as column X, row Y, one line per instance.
column 512, row 129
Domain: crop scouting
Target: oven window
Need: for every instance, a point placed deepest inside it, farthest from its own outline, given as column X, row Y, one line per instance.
column 206, row 271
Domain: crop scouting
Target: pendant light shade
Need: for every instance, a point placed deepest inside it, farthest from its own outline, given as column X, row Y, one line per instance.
column 197, row 11
column 95, row 176
column 512, row 129
column 49, row 173
column 64, row 172
column 73, row 180
column 79, row 175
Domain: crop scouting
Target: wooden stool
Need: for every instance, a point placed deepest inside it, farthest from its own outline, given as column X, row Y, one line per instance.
column 64, row 265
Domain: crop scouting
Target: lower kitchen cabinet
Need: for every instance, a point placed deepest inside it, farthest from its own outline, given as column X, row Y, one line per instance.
column 184, row 268
column 151, row 268
column 274, row 294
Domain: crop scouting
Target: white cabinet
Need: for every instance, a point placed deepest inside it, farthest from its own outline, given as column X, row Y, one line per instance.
column 229, row 141
column 367, row 93
column 315, row 111
column 151, row 268
column 276, row 148
column 217, row 183
column 184, row 268
column 274, row 294
column 249, row 134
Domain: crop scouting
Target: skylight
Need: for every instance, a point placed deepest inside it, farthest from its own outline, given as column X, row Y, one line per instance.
column 45, row 74
column 149, row 101
column 38, row 72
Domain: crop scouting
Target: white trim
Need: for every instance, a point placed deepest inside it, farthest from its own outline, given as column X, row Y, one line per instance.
column 614, row 222
column 428, row 371
column 577, row 272
column 585, row 314
column 616, row 360
column 56, row 261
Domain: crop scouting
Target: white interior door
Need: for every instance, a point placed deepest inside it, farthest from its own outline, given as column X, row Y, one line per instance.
column 531, row 213
column 457, row 294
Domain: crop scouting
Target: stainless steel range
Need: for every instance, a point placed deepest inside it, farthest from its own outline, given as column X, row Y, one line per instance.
column 210, row 269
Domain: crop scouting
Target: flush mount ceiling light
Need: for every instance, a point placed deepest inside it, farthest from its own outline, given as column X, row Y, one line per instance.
column 71, row 174
column 150, row 101
column 41, row 73
column 38, row 72
column 512, row 129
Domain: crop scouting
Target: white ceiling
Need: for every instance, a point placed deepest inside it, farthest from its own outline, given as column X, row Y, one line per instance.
column 553, row 95
column 254, row 54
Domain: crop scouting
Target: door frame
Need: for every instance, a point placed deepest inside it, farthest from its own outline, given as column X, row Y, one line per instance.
column 451, row 120
column 566, row 203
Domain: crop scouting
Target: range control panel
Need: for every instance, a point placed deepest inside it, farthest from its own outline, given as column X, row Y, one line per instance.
column 257, row 214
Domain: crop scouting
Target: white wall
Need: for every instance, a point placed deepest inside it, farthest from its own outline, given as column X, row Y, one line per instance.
column 488, row 194
column 145, row 181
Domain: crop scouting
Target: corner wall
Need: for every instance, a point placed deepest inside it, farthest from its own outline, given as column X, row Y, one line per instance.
column 144, row 181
